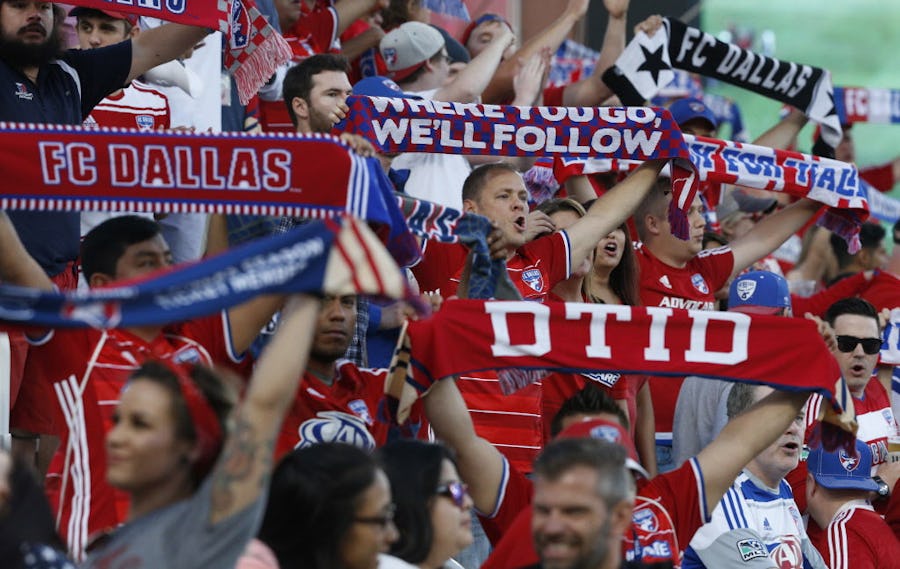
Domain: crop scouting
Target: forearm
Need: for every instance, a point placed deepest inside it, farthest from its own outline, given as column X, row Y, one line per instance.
column 474, row 78
column 356, row 46
column 16, row 265
column 771, row 232
column 349, row 11
column 158, row 45
column 480, row 464
column 784, row 133
column 592, row 91
column 500, row 88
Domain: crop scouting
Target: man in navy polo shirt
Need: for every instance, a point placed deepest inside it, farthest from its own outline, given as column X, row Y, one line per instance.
column 42, row 83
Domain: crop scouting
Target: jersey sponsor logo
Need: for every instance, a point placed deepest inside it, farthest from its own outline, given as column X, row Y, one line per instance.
column 22, row 92
column 608, row 379
column 678, row 302
column 888, row 416
column 145, row 122
column 745, row 289
column 699, row 283
column 359, row 407
column 787, row 553
column 240, row 25
column 664, row 280
column 335, row 426
column 656, row 549
column 644, row 519
column 533, row 278
column 751, row 549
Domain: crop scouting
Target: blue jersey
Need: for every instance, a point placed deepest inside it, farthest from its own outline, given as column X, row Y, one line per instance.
column 754, row 526
column 66, row 91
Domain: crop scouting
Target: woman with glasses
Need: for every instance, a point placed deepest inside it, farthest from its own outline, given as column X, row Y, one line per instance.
column 329, row 508
column 433, row 506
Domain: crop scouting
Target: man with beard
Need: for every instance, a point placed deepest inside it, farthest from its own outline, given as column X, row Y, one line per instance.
column 583, row 502
column 42, row 83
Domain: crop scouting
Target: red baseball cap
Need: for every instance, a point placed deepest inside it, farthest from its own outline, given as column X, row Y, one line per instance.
column 608, row 431
column 130, row 18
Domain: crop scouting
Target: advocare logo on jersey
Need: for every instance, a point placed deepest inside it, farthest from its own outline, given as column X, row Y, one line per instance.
column 335, row 426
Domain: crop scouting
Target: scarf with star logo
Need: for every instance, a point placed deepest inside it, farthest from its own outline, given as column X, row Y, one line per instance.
column 646, row 66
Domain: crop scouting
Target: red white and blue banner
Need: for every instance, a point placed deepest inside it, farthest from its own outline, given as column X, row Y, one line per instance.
column 834, row 184
column 862, row 104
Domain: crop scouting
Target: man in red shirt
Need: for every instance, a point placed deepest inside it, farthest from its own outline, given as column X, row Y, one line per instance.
column 837, row 489
column 679, row 274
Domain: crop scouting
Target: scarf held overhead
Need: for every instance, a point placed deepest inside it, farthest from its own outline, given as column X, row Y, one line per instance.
column 832, row 183
column 861, row 104
column 253, row 49
column 335, row 257
column 636, row 133
column 645, row 67
column 469, row 335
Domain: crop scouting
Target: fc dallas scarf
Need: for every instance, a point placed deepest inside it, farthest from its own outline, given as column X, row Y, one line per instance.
column 861, row 104
column 71, row 168
column 468, row 335
column 253, row 49
column 645, row 67
column 341, row 257
column 832, row 183
column 636, row 133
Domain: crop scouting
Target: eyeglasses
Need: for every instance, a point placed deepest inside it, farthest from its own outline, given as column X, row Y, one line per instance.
column 456, row 491
column 383, row 520
column 870, row 346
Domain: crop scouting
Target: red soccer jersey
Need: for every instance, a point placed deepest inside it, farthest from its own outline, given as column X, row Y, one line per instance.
column 536, row 267
column 883, row 291
column 856, row 538
column 345, row 411
column 668, row 511
column 691, row 287
column 136, row 106
column 77, row 375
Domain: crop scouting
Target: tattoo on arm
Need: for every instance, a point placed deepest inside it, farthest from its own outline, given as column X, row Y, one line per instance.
column 244, row 458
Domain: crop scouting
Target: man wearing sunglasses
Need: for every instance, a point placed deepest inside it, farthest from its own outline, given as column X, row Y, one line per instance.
column 858, row 333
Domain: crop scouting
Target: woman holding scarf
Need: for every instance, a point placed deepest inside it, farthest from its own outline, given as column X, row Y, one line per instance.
column 197, row 473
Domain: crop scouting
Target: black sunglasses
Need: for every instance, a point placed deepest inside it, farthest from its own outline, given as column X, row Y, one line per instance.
column 383, row 520
column 847, row 344
column 456, row 491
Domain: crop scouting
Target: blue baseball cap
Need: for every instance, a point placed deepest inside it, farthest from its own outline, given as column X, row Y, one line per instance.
column 759, row 292
column 690, row 108
column 840, row 471
column 380, row 86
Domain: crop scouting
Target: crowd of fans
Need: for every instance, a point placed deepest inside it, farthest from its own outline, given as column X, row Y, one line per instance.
column 258, row 437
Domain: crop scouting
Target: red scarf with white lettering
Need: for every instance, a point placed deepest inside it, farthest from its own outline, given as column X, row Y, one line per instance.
column 253, row 48
column 473, row 335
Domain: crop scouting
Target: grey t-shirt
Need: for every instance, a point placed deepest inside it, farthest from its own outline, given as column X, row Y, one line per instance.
column 180, row 537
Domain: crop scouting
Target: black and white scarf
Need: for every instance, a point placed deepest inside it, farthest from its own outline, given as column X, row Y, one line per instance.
column 646, row 65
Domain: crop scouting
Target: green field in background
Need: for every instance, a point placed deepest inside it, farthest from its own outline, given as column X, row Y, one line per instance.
column 857, row 40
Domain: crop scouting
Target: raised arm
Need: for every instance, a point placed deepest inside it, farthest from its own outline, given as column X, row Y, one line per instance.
column 472, row 80
column 785, row 132
column 246, row 462
column 480, row 463
column 16, row 265
column 160, row 45
column 592, row 91
column 349, row 11
column 611, row 209
column 500, row 88
column 744, row 437
column 770, row 233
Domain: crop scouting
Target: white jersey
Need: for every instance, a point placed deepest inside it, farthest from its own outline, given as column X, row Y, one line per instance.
column 754, row 526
